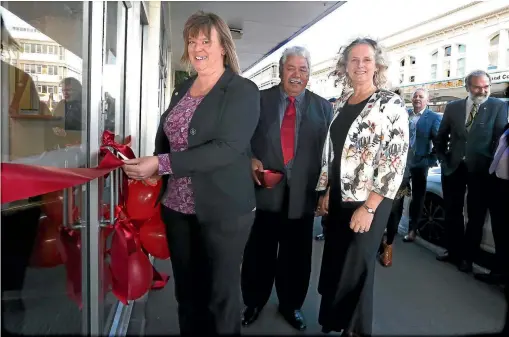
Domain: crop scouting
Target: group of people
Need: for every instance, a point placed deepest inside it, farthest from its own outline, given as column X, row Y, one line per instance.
column 229, row 232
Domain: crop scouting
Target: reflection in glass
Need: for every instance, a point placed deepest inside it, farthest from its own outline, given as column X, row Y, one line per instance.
column 42, row 123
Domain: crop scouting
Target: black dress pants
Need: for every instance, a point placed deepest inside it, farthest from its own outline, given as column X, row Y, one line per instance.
column 394, row 219
column 453, row 188
column 206, row 259
column 500, row 223
column 347, row 273
column 419, row 176
column 278, row 249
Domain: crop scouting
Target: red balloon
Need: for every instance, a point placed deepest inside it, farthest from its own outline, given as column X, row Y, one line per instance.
column 141, row 199
column 53, row 207
column 140, row 275
column 139, row 269
column 153, row 238
column 45, row 253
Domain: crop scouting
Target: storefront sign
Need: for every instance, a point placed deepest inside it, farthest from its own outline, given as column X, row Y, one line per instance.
column 500, row 77
column 458, row 83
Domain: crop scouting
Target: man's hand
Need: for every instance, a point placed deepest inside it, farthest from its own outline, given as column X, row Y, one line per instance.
column 323, row 205
column 256, row 166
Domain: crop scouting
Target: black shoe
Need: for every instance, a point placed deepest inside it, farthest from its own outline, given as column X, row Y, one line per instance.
column 326, row 330
column 490, row 278
column 445, row 257
column 465, row 266
column 294, row 318
column 320, row 237
column 410, row 237
column 250, row 315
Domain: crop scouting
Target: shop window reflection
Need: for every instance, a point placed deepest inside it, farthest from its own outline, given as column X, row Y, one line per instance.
column 42, row 123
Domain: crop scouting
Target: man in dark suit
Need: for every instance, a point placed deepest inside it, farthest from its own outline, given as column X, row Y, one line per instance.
column 423, row 127
column 466, row 142
column 289, row 138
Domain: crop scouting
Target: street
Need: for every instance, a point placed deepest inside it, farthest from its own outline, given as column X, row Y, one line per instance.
column 416, row 296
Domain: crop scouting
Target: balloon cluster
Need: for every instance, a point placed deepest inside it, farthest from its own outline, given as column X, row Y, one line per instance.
column 137, row 232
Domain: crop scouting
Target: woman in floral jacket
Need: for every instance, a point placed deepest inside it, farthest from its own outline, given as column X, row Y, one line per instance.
column 363, row 163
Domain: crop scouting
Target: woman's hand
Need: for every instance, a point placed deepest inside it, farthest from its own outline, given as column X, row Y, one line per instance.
column 141, row 168
column 323, row 205
column 361, row 220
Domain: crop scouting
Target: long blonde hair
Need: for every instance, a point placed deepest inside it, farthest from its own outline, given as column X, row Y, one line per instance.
column 203, row 22
column 379, row 78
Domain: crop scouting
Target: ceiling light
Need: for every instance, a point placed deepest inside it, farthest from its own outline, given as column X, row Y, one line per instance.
column 236, row 33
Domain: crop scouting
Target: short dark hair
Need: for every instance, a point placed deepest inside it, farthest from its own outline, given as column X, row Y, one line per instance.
column 475, row 73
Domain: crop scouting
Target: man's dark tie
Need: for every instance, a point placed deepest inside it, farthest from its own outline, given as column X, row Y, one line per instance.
column 288, row 131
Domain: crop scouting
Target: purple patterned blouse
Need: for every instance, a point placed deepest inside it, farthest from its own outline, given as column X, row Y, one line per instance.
column 179, row 193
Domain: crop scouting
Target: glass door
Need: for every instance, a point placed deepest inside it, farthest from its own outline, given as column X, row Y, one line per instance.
column 44, row 120
column 107, row 115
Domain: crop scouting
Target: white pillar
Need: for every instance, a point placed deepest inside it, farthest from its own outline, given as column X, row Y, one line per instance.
column 150, row 82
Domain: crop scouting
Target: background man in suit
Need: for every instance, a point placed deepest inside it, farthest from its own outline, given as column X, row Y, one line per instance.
column 466, row 142
column 289, row 138
column 423, row 127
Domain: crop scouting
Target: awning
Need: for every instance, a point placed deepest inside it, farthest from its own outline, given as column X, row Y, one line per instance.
column 264, row 26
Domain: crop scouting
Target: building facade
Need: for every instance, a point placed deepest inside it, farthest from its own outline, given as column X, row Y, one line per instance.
column 439, row 53
column 266, row 77
column 321, row 82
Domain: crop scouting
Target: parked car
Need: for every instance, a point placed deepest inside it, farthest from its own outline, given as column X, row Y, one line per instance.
column 432, row 222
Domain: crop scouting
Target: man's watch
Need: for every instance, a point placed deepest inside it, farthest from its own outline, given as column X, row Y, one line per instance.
column 369, row 209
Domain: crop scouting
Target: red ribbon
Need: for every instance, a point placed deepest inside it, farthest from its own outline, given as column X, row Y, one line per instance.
column 108, row 140
column 20, row 181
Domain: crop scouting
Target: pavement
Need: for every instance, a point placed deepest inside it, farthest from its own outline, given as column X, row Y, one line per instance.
column 416, row 296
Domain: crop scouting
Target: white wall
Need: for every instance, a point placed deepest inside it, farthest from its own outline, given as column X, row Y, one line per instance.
column 150, row 112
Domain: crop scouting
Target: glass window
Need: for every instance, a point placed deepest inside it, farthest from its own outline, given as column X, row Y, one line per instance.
column 35, row 130
column 495, row 40
column 462, row 49
column 461, row 67
column 447, row 51
column 492, row 59
column 433, row 71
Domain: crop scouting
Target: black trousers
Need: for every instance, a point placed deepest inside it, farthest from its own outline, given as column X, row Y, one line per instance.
column 206, row 259
column 394, row 219
column 454, row 188
column 482, row 196
column 278, row 249
column 418, row 176
column 348, row 270
column 499, row 213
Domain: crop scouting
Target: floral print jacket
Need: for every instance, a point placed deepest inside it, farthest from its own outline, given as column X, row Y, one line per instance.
column 375, row 151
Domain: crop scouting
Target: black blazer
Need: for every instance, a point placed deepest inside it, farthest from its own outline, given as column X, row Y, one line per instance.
column 477, row 147
column 217, row 158
column 266, row 146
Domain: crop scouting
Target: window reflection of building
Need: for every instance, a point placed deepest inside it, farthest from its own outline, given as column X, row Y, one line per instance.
column 45, row 58
column 266, row 77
